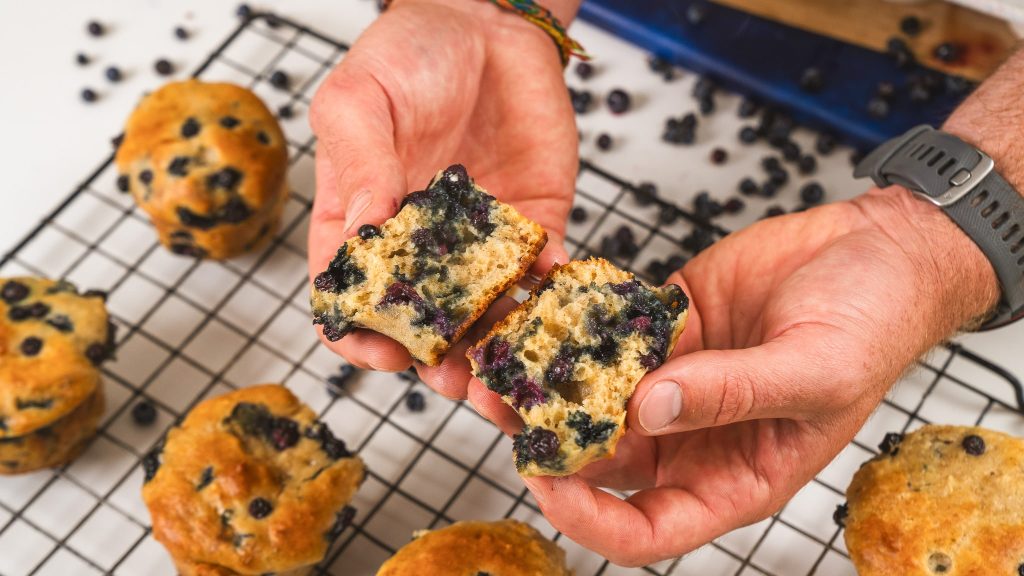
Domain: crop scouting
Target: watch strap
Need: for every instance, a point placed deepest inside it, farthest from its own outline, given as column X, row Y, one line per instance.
column 962, row 181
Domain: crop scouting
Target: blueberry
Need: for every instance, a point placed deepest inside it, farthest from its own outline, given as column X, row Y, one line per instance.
column 341, row 521
column 891, row 443
column 807, row 164
column 415, row 401
column 144, row 413
column 581, row 100
column 718, row 156
column 645, row 193
column 676, row 262
column 918, row 93
column 735, row 205
column 973, row 445
column 146, row 177
column 958, row 85
column 948, row 52
column 13, row 291
column 578, row 214
column 95, row 29
column 535, row 444
column 812, row 193
column 778, row 177
column 190, row 128
column 31, row 346
column 618, row 101
column 910, row 25
column 150, row 465
column 704, row 88
column 769, row 189
column 227, row 178
column 840, row 514
column 123, row 182
column 878, row 107
column 286, row 112
column 773, row 211
column 584, row 70
column 180, row 33
column 696, row 12
column 706, row 105
column 748, row 187
column 178, row 166
column 113, row 73
column 260, row 508
column 587, row 431
column 704, row 207
column 280, row 80
column 811, row 80
column 748, row 107
column 790, row 151
column 190, row 219
column 243, row 11
column 283, row 433
column 825, row 143
column 229, row 122
column 89, row 95
column 680, row 131
column 235, row 211
column 668, row 214
column 604, row 141
column 900, row 53
column 273, row 22
column 748, row 135
column 368, row 231
column 61, row 323
column 116, row 140
column 163, row 67
column 263, row 138
column 345, row 373
column 97, row 353
column 81, row 59
column 38, row 310
column 885, row 90
column 400, row 293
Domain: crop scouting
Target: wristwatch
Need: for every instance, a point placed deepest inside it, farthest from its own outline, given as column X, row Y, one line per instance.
column 962, row 181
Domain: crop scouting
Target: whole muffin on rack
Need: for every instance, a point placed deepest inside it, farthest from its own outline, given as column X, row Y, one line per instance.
column 940, row 500
column 503, row 548
column 207, row 163
column 250, row 483
column 52, row 340
column 569, row 357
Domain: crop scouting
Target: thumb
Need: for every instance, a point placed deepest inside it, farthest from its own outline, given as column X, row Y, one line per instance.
column 796, row 375
column 365, row 180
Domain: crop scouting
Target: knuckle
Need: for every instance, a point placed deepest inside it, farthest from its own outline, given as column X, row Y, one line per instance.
column 736, row 397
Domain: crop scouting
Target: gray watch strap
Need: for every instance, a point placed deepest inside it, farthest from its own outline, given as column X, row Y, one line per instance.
column 962, row 181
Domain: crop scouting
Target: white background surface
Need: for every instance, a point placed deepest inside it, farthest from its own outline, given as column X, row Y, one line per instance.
column 51, row 142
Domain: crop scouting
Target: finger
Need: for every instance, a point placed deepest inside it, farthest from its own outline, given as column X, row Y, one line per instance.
column 451, row 377
column 798, row 375
column 649, row 526
column 554, row 252
column 372, row 351
column 633, row 467
column 489, row 405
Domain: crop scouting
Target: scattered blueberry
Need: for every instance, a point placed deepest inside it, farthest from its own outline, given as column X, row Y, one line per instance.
column 910, row 25
column 790, row 151
column 900, row 53
column 260, row 508
column 415, row 401
column 825, row 143
column 778, row 177
column 95, row 29
column 840, row 514
column 705, row 207
column 890, row 444
column 706, row 105
column 878, row 107
column 645, row 193
column 696, row 12
column 948, row 52
column 31, row 346
column 680, row 130
column 885, row 90
column 180, row 33
column 243, row 11
column 812, row 193
column 769, row 189
column 367, row 231
column 748, row 107
column 578, row 214
column 748, row 187
column 113, row 73
column 974, row 445
column 97, row 353
column 280, row 80
column 116, row 140
column 163, row 67
column 661, row 66
column 668, row 214
column 89, row 95
column 704, row 88
column 581, row 100
column 286, row 112
column 604, row 142
column 958, row 85
column 719, row 156
column 807, row 164
column 584, row 70
column 811, row 80
column 748, row 135
column 618, row 101
column 735, row 205
column 144, row 413
column 773, row 211
column 229, row 122
column 81, row 59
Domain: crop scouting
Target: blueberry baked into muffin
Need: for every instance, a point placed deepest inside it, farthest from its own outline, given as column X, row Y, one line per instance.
column 429, row 272
column 250, row 483
column 207, row 163
column 940, row 500
column 52, row 340
column 503, row 548
column 568, row 359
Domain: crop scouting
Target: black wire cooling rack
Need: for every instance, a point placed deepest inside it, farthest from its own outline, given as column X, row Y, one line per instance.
column 189, row 329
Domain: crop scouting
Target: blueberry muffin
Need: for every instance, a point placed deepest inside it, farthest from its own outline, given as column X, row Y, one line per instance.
column 429, row 272
column 504, row 548
column 207, row 163
column 940, row 500
column 250, row 483
column 52, row 340
column 568, row 359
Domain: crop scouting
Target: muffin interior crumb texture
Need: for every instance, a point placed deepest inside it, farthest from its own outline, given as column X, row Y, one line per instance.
column 429, row 272
column 569, row 358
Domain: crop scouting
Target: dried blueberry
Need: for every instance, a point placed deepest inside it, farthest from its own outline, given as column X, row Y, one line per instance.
column 163, row 67
column 243, row 11
column 719, row 156
column 368, row 231
column 260, row 508
column 618, row 101
column 113, row 73
column 706, row 105
column 891, row 443
column 651, row 360
column 31, row 346
column 400, row 293
column 790, row 151
column 973, row 445
column 910, row 25
column 95, row 29
column 178, row 166
column 748, row 135
column 123, row 183
column 812, row 193
column 840, row 514
column 704, row 88
column 190, row 128
column 192, row 220
column 13, row 291
column 89, row 95
column 604, row 141
column 229, row 122
column 415, row 401
column 280, row 80
column 778, row 177
column 584, row 70
column 578, row 214
column 144, row 413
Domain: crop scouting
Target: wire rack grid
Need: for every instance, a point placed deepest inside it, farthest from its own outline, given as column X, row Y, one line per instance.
column 191, row 329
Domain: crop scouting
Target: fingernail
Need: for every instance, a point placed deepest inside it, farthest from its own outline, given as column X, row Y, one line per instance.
column 356, row 206
column 661, row 406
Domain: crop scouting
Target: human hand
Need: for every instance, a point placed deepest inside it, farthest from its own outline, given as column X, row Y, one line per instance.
column 429, row 84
